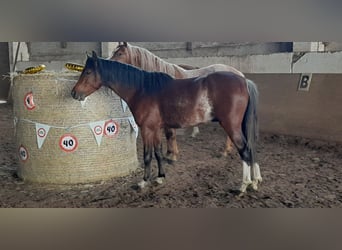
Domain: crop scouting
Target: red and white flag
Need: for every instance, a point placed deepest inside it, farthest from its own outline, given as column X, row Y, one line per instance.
column 41, row 132
column 97, row 129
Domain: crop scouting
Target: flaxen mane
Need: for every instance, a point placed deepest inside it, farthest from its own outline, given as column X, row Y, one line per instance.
column 146, row 60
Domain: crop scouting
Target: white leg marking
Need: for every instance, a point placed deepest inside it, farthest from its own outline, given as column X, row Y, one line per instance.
column 142, row 184
column 160, row 180
column 195, row 131
column 256, row 176
column 246, row 177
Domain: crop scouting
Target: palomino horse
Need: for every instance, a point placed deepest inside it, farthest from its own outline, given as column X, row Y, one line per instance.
column 159, row 101
column 144, row 59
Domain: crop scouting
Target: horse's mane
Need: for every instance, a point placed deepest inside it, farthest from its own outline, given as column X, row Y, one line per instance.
column 131, row 76
column 146, row 60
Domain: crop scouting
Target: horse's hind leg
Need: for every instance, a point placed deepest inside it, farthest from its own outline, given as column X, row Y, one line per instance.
column 237, row 137
column 195, row 131
column 256, row 177
column 251, row 173
column 228, row 147
column 159, row 156
column 171, row 144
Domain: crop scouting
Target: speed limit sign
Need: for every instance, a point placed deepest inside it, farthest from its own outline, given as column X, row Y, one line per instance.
column 28, row 101
column 68, row 143
column 111, row 128
column 23, row 154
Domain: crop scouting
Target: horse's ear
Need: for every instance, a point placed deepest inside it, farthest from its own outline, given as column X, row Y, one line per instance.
column 124, row 44
column 95, row 58
column 94, row 55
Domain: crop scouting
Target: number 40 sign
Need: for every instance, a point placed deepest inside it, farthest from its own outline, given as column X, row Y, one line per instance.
column 68, row 143
column 111, row 128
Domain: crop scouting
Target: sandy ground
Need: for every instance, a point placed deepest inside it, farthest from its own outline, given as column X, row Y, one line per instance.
column 297, row 172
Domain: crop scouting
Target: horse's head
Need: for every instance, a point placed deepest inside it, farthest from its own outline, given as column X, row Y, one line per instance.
column 89, row 81
column 121, row 53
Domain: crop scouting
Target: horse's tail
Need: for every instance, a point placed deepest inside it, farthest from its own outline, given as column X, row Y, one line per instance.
column 250, row 126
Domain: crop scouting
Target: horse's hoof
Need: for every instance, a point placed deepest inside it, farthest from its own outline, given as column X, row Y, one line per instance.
column 241, row 194
column 244, row 186
column 168, row 160
column 170, row 156
column 255, row 184
column 224, row 154
column 142, row 184
column 193, row 135
column 160, row 180
column 195, row 131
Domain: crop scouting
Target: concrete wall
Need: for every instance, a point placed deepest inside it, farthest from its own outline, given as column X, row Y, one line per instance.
column 61, row 51
column 313, row 114
column 55, row 54
column 311, row 62
column 332, row 46
column 273, row 63
column 244, row 56
column 210, row 49
column 327, row 62
column 108, row 48
column 308, row 46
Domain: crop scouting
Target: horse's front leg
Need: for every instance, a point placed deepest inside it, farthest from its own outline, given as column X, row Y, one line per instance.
column 158, row 152
column 147, row 165
column 171, row 144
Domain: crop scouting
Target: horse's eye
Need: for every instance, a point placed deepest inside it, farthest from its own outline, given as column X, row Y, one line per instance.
column 88, row 72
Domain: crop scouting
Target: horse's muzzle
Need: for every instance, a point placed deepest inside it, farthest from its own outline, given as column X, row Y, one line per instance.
column 77, row 96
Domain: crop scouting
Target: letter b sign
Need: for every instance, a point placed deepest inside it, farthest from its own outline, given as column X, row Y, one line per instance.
column 304, row 82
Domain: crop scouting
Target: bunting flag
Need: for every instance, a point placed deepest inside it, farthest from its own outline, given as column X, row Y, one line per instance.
column 109, row 128
column 41, row 132
column 124, row 105
column 97, row 128
column 83, row 102
column 134, row 125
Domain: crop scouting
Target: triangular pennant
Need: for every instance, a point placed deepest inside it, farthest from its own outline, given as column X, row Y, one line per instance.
column 97, row 129
column 41, row 132
column 124, row 105
column 15, row 121
column 83, row 102
column 134, row 125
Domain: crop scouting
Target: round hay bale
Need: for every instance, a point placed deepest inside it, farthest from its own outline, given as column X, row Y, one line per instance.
column 45, row 113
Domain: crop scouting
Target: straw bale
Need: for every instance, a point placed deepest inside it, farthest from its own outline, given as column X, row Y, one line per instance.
column 54, row 106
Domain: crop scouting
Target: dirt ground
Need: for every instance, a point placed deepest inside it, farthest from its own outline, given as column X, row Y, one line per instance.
column 297, row 172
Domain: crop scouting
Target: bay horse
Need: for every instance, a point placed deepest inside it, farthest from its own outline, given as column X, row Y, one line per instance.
column 146, row 60
column 159, row 101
